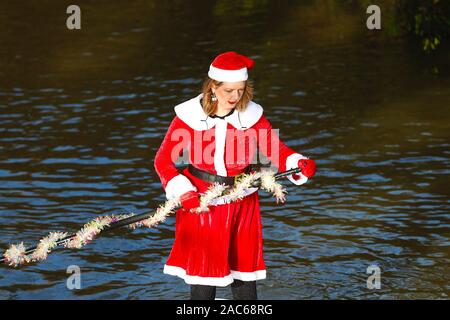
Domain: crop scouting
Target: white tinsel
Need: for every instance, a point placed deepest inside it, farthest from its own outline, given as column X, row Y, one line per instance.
column 214, row 191
column 16, row 254
column 89, row 231
column 46, row 245
column 269, row 184
column 161, row 214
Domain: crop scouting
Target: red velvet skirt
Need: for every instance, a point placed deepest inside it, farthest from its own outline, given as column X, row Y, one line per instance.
column 215, row 247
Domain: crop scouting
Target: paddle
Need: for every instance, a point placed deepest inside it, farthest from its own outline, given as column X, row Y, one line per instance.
column 143, row 216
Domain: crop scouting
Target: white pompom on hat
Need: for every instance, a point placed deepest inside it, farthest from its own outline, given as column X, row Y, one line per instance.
column 230, row 67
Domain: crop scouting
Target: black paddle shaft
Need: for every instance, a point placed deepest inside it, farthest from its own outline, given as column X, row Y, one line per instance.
column 143, row 216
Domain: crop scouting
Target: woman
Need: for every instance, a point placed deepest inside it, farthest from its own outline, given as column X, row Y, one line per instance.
column 221, row 129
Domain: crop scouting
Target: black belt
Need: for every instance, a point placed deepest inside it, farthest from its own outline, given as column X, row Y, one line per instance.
column 211, row 177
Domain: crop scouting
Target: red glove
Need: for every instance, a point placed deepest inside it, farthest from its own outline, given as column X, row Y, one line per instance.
column 308, row 167
column 190, row 200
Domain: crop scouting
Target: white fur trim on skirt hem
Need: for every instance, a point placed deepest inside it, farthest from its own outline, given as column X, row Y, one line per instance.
column 249, row 276
column 214, row 281
column 207, row 281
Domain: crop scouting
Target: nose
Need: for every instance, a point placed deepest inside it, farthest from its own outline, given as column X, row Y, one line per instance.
column 236, row 95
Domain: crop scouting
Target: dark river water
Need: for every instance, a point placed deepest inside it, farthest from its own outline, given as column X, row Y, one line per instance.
column 82, row 114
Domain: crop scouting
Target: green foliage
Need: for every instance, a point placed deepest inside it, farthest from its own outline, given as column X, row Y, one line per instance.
column 428, row 20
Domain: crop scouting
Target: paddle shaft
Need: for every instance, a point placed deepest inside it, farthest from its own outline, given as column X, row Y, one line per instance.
column 143, row 216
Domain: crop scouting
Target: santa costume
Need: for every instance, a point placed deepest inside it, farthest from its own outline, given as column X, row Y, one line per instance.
column 214, row 248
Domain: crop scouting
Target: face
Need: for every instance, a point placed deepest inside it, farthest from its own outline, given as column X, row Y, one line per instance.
column 229, row 94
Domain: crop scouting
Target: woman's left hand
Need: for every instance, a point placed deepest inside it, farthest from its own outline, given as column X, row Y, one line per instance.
column 308, row 167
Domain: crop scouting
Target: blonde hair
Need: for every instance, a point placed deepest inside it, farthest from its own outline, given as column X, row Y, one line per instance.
column 210, row 107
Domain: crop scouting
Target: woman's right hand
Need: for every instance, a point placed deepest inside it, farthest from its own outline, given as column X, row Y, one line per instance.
column 190, row 200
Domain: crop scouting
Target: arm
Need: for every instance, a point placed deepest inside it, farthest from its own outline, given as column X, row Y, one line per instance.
column 283, row 157
column 176, row 139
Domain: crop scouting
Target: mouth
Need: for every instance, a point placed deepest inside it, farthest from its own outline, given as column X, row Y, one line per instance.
column 232, row 102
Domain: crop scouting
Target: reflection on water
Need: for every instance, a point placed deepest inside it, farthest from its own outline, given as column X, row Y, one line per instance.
column 82, row 114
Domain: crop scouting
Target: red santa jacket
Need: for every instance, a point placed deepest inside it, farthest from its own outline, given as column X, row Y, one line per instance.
column 220, row 146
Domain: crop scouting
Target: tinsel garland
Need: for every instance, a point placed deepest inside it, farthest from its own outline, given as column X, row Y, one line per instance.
column 16, row 254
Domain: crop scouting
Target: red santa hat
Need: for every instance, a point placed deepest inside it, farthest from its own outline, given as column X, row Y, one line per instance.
column 230, row 67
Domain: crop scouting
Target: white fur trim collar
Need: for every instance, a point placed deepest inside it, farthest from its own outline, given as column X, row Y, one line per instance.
column 191, row 112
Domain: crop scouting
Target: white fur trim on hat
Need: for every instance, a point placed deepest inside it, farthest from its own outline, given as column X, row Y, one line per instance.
column 292, row 163
column 177, row 186
column 227, row 75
